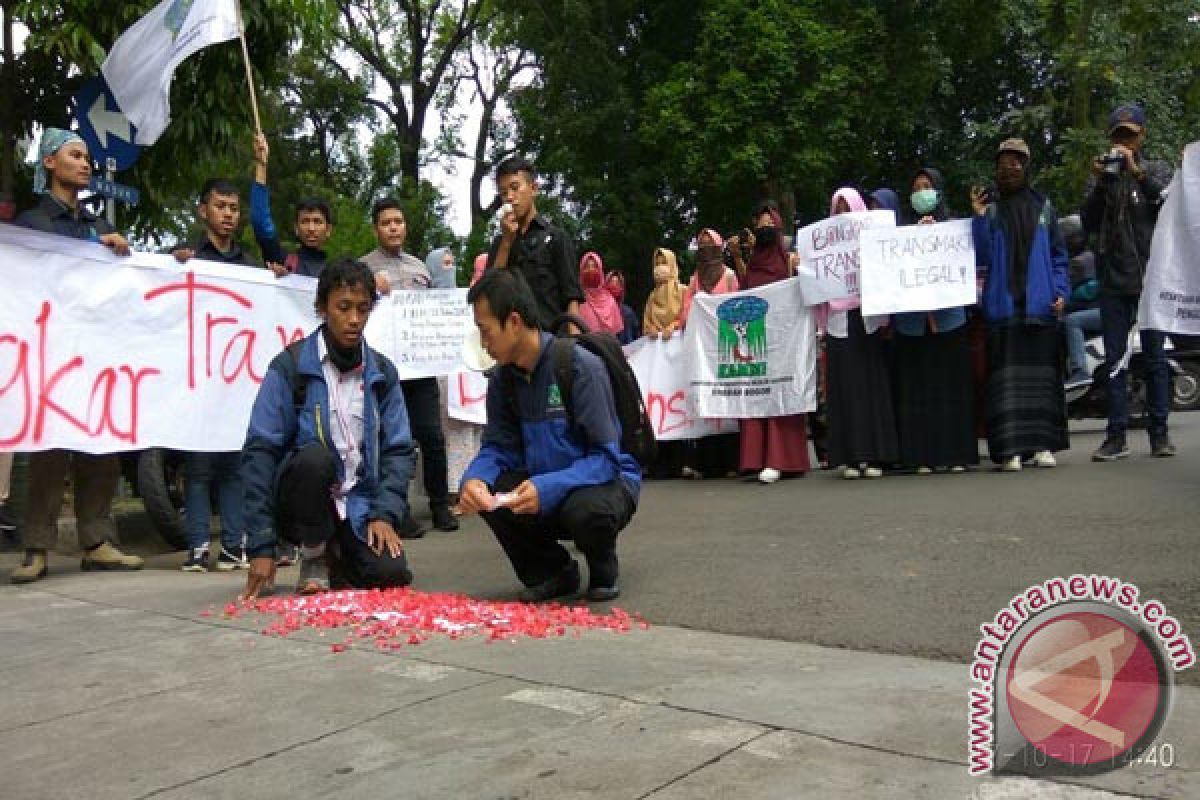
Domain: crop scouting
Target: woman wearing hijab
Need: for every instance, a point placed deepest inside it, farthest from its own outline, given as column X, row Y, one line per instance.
column 665, row 304
column 441, row 266
column 858, row 394
column 776, row 445
column 615, row 284
column 935, row 418
column 1020, row 248
column 598, row 310
column 711, row 456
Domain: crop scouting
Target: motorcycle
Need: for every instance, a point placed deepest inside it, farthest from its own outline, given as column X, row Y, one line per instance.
column 1183, row 363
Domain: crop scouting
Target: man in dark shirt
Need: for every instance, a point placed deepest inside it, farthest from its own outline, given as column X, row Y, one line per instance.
column 314, row 224
column 64, row 170
column 1121, row 209
column 529, row 243
column 220, row 210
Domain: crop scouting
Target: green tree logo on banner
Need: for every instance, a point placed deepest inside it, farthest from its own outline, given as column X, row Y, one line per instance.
column 742, row 338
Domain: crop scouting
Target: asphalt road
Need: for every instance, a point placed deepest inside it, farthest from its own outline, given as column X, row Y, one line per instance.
column 907, row 564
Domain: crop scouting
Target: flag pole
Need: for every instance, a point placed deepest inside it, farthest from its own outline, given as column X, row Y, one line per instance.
column 249, row 74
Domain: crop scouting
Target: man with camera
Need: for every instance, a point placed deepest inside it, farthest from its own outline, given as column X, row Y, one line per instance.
column 1125, row 194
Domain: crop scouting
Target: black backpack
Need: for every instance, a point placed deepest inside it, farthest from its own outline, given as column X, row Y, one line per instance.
column 637, row 432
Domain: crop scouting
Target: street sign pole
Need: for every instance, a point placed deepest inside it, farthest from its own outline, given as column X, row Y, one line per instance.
column 110, row 207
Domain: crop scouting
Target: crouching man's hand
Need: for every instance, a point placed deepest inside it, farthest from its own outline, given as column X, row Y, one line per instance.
column 474, row 497
column 260, row 578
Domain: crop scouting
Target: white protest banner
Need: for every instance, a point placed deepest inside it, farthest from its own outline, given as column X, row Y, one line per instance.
column 1171, row 294
column 829, row 254
column 917, row 267
column 101, row 354
column 661, row 369
column 752, row 353
column 466, row 398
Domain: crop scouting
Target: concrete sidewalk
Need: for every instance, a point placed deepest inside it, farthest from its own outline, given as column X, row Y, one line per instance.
column 115, row 686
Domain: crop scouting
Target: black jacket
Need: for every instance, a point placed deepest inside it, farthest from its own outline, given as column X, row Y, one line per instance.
column 545, row 256
column 1121, row 212
column 51, row 216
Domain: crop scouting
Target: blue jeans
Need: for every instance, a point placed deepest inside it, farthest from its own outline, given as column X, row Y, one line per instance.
column 204, row 470
column 1079, row 324
column 1118, row 314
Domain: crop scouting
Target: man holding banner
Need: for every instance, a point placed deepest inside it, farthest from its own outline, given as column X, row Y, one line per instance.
column 64, row 170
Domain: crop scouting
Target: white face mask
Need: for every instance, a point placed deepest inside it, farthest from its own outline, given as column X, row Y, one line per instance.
column 662, row 273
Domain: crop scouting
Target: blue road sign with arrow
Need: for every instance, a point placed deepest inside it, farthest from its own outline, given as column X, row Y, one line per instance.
column 117, row 191
column 108, row 133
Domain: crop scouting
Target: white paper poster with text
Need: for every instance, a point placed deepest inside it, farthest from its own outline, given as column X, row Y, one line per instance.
column 101, row 354
column 752, row 353
column 917, row 267
column 661, row 369
column 1171, row 295
column 829, row 254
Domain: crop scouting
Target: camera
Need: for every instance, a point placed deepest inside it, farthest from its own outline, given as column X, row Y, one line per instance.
column 1113, row 162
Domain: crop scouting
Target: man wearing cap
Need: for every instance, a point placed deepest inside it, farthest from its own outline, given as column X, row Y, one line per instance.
column 64, row 169
column 1123, row 200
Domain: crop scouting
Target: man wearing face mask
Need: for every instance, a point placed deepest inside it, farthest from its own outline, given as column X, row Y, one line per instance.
column 1020, row 249
column 1124, row 197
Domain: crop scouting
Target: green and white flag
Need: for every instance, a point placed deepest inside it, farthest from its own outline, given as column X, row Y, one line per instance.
column 142, row 61
column 752, row 354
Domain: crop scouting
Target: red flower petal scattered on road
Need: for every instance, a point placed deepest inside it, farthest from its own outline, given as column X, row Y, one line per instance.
column 391, row 618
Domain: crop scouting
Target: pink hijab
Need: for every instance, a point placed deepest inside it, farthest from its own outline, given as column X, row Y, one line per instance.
column 599, row 309
column 856, row 203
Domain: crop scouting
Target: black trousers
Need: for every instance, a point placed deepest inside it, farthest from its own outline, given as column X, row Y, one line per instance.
column 424, row 403
column 306, row 516
column 591, row 516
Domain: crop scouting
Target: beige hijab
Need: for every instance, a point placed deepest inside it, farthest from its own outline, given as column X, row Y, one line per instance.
column 666, row 301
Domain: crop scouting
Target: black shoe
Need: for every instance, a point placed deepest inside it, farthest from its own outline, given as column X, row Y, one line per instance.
column 443, row 519
column 602, row 578
column 562, row 584
column 1114, row 447
column 7, row 521
column 1161, row 446
column 603, row 594
column 409, row 529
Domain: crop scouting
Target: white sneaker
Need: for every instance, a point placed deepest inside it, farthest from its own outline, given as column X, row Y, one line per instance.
column 924, row 471
column 769, row 475
column 958, row 469
column 690, row 474
column 1044, row 459
column 851, row 473
column 872, row 472
column 1012, row 465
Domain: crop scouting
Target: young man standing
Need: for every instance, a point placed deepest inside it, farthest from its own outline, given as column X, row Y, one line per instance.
column 314, row 224
column 1121, row 209
column 220, row 211
column 529, row 243
column 328, row 455
column 396, row 269
column 538, row 479
column 64, row 170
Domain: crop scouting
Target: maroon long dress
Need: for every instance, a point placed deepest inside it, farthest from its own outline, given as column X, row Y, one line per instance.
column 777, row 442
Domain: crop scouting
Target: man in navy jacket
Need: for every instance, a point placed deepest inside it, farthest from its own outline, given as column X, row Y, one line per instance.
column 538, row 479
column 328, row 453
